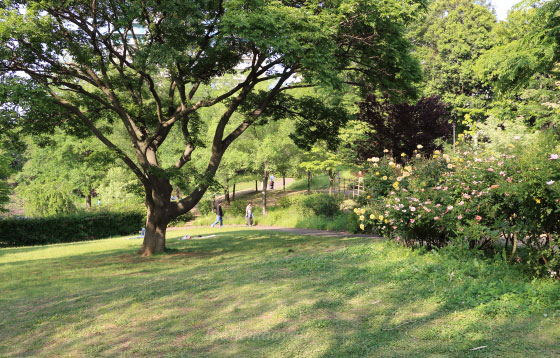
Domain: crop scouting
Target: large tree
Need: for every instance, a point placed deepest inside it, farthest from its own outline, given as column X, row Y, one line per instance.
column 93, row 64
column 448, row 40
column 523, row 66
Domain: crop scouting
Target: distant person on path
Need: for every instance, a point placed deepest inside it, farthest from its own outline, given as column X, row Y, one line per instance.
column 271, row 181
column 219, row 215
column 249, row 214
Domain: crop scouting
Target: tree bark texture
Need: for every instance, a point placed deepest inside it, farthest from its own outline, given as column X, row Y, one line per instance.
column 264, row 185
column 226, row 192
column 331, row 182
column 158, row 205
column 233, row 197
column 88, row 201
column 308, row 182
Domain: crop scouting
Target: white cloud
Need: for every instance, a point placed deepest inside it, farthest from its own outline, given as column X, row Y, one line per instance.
column 503, row 6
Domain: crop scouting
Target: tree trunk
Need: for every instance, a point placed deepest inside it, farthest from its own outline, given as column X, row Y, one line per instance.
column 309, row 182
column 331, row 182
column 88, row 201
column 226, row 191
column 264, row 185
column 256, row 186
column 158, row 203
column 233, row 197
column 154, row 239
column 284, row 182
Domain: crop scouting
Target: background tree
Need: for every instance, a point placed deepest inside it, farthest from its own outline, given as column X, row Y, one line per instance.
column 448, row 41
column 57, row 173
column 321, row 158
column 140, row 65
column 523, row 66
column 5, row 171
column 400, row 128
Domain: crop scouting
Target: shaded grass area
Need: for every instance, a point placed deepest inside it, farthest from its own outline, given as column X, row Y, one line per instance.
column 250, row 293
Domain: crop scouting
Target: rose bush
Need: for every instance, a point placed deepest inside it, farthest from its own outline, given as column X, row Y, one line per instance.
column 471, row 197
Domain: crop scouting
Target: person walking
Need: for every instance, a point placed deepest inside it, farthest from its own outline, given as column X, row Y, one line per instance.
column 249, row 214
column 271, row 181
column 219, row 215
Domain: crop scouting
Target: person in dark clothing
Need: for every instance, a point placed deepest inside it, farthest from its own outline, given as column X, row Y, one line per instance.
column 219, row 215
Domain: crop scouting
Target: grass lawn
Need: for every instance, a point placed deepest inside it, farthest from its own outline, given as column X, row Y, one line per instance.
column 249, row 293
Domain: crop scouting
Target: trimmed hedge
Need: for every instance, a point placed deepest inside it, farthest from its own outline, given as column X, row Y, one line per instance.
column 79, row 227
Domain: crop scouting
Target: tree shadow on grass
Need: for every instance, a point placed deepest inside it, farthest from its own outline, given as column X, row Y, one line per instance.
column 245, row 294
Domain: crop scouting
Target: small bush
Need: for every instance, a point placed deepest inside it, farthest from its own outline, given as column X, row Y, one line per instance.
column 348, row 205
column 321, row 204
column 79, row 227
column 205, row 207
column 237, row 208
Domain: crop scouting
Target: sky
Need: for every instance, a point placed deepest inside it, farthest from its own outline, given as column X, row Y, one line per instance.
column 502, row 7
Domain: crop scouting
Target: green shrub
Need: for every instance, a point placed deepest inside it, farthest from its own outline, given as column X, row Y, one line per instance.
column 237, row 208
column 321, row 204
column 205, row 207
column 79, row 227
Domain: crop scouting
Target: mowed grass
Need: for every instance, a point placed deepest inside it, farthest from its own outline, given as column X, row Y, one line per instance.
column 250, row 293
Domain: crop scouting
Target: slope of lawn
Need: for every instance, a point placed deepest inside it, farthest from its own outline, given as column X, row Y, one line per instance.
column 249, row 293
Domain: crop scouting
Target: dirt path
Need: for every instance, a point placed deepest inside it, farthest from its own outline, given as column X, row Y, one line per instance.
column 288, row 230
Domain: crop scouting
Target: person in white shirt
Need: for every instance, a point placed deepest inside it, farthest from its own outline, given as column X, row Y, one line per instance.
column 249, row 214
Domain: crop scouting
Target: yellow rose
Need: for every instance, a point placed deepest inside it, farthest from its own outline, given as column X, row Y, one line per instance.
column 356, row 210
column 450, row 166
column 376, row 173
column 403, row 154
column 538, row 201
column 386, row 221
column 384, row 177
column 369, row 196
column 372, row 216
column 380, row 217
column 362, row 211
column 436, row 152
column 362, row 226
column 362, row 218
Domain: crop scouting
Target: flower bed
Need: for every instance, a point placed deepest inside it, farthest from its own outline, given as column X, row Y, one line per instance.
column 473, row 198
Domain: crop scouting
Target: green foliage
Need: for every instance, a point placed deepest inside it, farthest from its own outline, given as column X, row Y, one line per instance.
column 205, row 207
column 453, row 34
column 46, row 199
column 529, row 46
column 5, row 170
column 315, row 204
column 79, row 227
column 523, row 65
column 237, row 208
